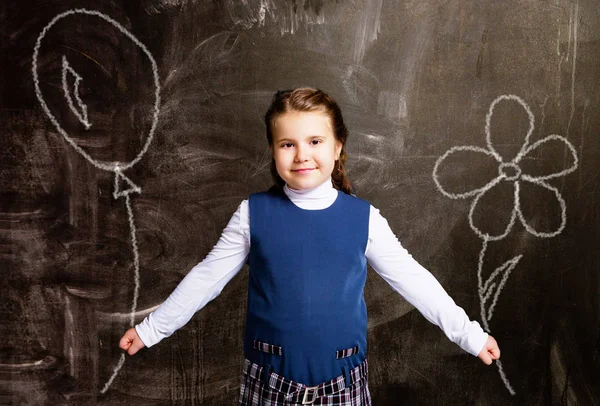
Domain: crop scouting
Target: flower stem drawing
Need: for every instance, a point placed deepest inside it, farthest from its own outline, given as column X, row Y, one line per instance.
column 511, row 175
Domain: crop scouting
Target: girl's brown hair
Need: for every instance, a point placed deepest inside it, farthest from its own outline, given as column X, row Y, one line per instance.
column 306, row 99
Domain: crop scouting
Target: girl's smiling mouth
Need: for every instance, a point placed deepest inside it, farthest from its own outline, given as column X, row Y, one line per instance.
column 304, row 170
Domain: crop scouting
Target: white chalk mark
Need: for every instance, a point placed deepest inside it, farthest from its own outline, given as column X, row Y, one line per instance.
column 538, row 143
column 472, row 192
column 43, row 363
column 570, row 31
column 81, row 113
column 118, row 191
column 115, row 317
column 514, row 167
column 558, row 35
column 488, row 294
column 490, row 286
column 107, row 166
column 262, row 12
column 514, row 163
column 136, row 259
column 575, row 20
column 116, row 167
column 114, row 374
column 504, row 378
column 563, row 210
column 479, row 273
column 488, row 117
column 487, row 286
column 493, row 286
column 513, row 216
column 367, row 28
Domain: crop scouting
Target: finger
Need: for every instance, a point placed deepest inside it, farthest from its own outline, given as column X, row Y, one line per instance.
column 495, row 352
column 135, row 347
column 485, row 357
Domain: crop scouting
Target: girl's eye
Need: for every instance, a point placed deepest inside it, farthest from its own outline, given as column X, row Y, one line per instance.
column 287, row 145
column 315, row 142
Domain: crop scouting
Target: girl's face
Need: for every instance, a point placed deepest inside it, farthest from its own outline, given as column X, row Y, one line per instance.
column 304, row 149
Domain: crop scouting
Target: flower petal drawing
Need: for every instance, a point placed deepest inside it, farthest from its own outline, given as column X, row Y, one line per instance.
column 488, row 120
column 561, row 202
column 545, row 143
column 455, row 152
column 508, row 192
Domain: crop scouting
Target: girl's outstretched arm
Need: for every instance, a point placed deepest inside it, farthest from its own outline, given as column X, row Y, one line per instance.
column 202, row 284
column 419, row 287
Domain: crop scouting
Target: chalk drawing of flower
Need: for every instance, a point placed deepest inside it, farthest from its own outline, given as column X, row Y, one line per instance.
column 509, row 171
column 515, row 183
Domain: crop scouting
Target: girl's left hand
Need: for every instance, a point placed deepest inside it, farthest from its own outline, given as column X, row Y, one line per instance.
column 490, row 351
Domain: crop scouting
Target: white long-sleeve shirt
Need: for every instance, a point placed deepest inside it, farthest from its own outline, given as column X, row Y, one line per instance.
column 384, row 253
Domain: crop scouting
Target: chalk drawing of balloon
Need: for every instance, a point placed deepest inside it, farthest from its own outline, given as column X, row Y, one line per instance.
column 520, row 186
column 123, row 186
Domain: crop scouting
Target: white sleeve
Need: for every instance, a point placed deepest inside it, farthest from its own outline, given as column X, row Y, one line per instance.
column 203, row 283
column 419, row 287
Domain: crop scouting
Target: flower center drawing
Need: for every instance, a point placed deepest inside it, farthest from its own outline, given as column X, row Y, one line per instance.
column 510, row 171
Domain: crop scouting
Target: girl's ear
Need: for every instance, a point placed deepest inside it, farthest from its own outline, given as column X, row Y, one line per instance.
column 338, row 149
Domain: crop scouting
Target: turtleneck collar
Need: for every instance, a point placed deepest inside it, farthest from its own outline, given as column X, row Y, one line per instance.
column 317, row 198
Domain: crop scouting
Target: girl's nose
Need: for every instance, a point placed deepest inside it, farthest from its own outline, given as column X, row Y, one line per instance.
column 301, row 154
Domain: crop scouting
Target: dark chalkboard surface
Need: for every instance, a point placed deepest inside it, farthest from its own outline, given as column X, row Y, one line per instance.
column 474, row 129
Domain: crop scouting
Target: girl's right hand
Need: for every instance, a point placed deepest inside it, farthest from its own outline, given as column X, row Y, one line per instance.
column 490, row 351
column 131, row 342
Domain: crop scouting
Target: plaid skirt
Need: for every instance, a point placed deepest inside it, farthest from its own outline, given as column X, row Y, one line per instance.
column 275, row 390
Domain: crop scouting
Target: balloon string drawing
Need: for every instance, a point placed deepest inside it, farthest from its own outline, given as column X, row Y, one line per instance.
column 79, row 109
column 510, row 172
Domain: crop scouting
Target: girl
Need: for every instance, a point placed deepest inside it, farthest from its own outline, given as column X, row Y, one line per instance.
column 307, row 241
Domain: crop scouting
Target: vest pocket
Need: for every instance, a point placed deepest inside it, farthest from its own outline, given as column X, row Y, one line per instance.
column 268, row 348
column 348, row 352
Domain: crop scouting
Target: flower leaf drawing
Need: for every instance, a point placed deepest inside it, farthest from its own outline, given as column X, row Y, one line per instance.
column 80, row 110
column 494, row 284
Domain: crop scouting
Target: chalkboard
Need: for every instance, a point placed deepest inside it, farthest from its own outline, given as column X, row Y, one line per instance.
column 473, row 128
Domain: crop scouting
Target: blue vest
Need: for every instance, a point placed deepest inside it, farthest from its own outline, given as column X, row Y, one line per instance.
column 306, row 317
